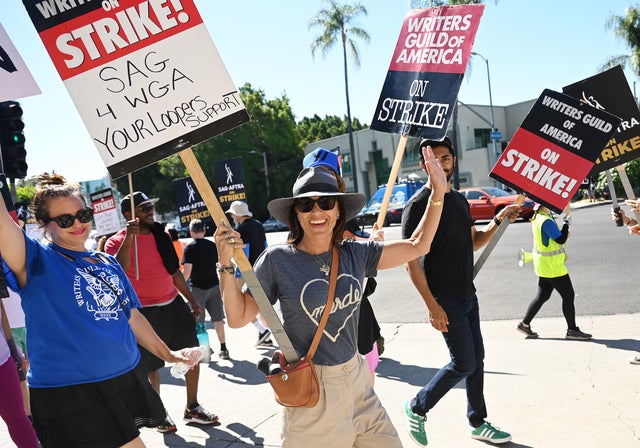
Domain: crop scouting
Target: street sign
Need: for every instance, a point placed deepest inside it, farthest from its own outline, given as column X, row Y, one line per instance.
column 496, row 135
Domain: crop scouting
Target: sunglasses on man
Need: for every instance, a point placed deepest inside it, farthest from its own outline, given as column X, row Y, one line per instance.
column 65, row 221
column 144, row 208
column 305, row 205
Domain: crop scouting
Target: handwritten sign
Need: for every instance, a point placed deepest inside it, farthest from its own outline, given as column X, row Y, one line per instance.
column 15, row 78
column 554, row 148
column 426, row 71
column 106, row 212
column 144, row 75
column 610, row 91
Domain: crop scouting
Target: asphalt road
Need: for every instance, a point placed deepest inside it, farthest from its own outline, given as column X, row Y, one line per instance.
column 602, row 265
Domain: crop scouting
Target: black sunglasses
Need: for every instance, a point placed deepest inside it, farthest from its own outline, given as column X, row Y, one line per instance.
column 305, row 205
column 65, row 221
column 144, row 208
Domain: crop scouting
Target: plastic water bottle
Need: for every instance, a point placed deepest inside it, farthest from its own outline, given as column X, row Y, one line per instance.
column 203, row 340
column 179, row 369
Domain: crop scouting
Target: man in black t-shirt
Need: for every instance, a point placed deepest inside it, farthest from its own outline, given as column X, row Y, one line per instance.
column 250, row 229
column 444, row 279
column 199, row 260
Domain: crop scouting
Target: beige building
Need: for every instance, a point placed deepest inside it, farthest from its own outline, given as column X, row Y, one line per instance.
column 469, row 128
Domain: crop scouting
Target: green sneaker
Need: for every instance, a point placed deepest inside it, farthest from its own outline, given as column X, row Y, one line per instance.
column 490, row 433
column 415, row 424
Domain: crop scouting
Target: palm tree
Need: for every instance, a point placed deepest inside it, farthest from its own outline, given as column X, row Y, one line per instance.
column 335, row 23
column 627, row 28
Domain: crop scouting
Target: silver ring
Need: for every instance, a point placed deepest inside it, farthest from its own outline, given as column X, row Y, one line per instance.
column 230, row 240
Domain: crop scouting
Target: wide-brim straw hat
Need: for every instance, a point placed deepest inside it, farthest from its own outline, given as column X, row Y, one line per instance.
column 316, row 182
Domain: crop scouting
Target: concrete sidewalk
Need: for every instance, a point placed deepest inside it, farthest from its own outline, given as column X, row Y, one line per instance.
column 547, row 393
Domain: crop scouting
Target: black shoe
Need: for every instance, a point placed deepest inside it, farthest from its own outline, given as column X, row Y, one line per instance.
column 264, row 338
column 522, row 328
column 577, row 335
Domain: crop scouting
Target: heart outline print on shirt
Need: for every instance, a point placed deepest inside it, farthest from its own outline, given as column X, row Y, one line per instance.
column 343, row 306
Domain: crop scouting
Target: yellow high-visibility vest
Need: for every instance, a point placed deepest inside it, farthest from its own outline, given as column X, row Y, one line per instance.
column 548, row 261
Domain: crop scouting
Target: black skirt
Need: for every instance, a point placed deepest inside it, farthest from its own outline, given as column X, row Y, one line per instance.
column 105, row 414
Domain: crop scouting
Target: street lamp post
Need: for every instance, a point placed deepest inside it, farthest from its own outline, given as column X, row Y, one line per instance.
column 493, row 127
column 266, row 170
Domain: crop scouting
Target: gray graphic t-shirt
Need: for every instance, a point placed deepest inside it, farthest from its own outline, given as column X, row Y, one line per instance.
column 294, row 278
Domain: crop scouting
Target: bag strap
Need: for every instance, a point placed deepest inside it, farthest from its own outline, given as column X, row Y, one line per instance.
column 333, row 277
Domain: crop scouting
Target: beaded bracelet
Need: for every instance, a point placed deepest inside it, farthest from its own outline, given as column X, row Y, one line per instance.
column 231, row 269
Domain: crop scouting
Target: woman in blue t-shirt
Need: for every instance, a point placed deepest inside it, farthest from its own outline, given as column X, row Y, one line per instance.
column 86, row 386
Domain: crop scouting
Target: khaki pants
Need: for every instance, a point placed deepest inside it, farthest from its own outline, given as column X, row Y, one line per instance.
column 348, row 414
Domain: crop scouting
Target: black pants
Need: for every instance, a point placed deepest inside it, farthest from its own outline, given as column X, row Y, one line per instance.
column 545, row 288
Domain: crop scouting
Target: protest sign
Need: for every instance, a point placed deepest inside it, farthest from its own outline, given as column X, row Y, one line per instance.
column 106, row 212
column 554, row 149
column 144, row 75
column 424, row 77
column 230, row 181
column 190, row 204
column 15, row 78
column 426, row 70
column 610, row 91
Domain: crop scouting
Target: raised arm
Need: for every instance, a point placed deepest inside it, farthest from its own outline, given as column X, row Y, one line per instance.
column 398, row 252
column 239, row 306
column 12, row 245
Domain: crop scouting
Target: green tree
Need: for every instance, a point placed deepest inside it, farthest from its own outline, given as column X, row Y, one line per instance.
column 626, row 28
column 272, row 130
column 315, row 128
column 25, row 192
column 336, row 23
column 152, row 182
column 633, row 173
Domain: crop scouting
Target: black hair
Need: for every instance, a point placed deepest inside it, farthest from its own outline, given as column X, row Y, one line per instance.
column 446, row 141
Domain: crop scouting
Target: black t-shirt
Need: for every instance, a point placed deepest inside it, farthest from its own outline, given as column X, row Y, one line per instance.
column 253, row 234
column 449, row 264
column 203, row 255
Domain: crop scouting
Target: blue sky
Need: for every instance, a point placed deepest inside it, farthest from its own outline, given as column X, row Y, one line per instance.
column 530, row 46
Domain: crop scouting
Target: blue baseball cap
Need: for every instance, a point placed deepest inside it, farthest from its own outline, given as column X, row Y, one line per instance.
column 322, row 157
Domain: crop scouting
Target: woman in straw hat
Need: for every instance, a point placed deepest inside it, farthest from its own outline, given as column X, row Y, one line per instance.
column 348, row 414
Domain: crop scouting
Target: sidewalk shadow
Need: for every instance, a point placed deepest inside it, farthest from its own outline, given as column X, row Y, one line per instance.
column 213, row 436
column 413, row 375
column 632, row 345
column 238, row 372
column 513, row 444
column 245, row 432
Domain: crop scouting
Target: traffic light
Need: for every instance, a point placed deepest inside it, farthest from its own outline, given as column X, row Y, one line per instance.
column 12, row 140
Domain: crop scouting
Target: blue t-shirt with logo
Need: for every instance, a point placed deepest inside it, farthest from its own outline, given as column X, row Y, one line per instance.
column 295, row 279
column 77, row 317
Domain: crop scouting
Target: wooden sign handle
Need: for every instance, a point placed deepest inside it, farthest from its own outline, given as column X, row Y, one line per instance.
column 219, row 217
column 495, row 238
column 397, row 161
